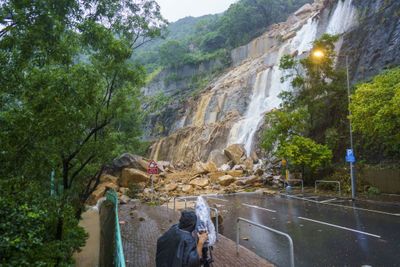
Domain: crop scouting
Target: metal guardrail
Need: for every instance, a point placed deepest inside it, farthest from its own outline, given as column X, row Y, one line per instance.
column 119, row 258
column 325, row 181
column 294, row 180
column 191, row 197
column 291, row 248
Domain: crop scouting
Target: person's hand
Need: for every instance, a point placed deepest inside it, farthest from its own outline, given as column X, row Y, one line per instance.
column 202, row 237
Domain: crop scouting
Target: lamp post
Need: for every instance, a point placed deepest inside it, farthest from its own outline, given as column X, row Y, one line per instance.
column 320, row 54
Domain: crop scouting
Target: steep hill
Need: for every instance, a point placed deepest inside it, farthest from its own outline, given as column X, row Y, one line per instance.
column 231, row 108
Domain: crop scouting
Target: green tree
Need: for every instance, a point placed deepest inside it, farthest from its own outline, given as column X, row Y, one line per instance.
column 282, row 126
column 69, row 102
column 173, row 53
column 375, row 108
column 305, row 155
column 321, row 89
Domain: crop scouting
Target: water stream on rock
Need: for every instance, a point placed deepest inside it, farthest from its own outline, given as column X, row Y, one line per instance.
column 268, row 86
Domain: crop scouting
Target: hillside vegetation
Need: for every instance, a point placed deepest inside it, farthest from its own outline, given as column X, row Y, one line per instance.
column 193, row 40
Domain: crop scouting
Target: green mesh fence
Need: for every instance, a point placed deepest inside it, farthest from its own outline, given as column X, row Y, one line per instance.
column 119, row 259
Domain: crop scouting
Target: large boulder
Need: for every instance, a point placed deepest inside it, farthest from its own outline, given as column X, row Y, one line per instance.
column 202, row 168
column 101, row 189
column 133, row 176
column 129, row 161
column 248, row 163
column 254, row 157
column 250, row 180
column 165, row 166
column 200, row 182
column 218, row 157
column 210, row 166
column 187, row 188
column 124, row 199
column 199, row 168
column 226, row 180
column 106, row 178
column 235, row 152
column 171, row 187
column 224, row 168
column 215, row 175
column 235, row 173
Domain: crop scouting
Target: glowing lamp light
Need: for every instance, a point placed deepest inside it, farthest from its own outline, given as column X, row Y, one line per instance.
column 318, row 54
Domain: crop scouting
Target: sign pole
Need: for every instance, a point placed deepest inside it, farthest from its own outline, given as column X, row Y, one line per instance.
column 352, row 176
column 152, row 188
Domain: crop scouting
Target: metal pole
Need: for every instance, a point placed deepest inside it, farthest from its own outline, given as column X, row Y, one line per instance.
column 352, row 176
column 152, row 187
column 237, row 236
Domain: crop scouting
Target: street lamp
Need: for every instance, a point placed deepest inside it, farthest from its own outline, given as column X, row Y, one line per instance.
column 319, row 54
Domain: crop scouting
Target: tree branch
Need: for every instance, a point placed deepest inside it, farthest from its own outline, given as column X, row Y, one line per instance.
column 80, row 169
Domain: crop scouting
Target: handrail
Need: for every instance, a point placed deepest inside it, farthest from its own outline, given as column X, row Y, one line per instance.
column 291, row 249
column 325, row 181
column 119, row 258
column 190, row 197
column 294, row 180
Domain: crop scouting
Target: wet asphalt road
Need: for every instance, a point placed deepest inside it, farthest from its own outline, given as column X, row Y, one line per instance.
column 326, row 234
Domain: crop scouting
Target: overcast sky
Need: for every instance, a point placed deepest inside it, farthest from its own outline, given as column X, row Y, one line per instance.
column 173, row 10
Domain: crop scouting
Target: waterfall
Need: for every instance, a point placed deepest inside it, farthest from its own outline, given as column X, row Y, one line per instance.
column 268, row 84
column 343, row 18
column 305, row 37
column 244, row 129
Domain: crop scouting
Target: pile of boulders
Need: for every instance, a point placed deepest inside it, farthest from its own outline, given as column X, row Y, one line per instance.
column 226, row 171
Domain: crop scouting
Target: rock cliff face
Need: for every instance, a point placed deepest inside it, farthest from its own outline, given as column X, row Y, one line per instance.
column 375, row 44
column 232, row 107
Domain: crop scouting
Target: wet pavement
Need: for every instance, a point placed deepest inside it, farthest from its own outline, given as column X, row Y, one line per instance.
column 142, row 225
column 325, row 231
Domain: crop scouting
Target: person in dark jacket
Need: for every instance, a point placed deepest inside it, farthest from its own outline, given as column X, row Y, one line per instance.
column 179, row 246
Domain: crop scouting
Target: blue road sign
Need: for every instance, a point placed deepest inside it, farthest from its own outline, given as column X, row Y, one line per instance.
column 350, row 155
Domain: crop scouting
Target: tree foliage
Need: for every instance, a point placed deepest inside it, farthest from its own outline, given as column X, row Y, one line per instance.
column 302, row 152
column 311, row 121
column 69, row 102
column 320, row 88
column 375, row 115
column 213, row 36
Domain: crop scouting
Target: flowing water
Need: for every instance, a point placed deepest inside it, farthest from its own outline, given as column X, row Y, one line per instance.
column 268, row 86
column 343, row 18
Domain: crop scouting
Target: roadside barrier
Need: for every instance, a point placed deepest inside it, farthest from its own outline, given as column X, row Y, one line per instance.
column 324, row 181
column 119, row 259
column 291, row 249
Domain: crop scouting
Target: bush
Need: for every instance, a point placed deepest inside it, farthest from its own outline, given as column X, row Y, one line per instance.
column 305, row 155
column 29, row 220
column 373, row 191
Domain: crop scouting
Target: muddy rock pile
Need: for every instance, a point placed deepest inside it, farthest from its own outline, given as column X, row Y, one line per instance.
column 225, row 171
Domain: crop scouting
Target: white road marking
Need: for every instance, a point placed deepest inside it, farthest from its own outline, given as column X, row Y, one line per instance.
column 215, row 198
column 328, row 200
column 342, row 206
column 340, row 227
column 257, row 207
